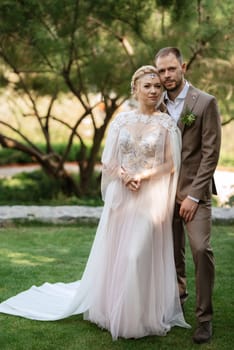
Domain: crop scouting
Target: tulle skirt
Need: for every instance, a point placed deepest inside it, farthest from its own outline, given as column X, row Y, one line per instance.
column 129, row 284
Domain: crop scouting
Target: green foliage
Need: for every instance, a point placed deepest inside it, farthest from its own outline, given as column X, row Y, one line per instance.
column 230, row 202
column 28, row 187
column 183, row 11
column 48, row 32
column 9, row 156
column 37, row 188
column 226, row 160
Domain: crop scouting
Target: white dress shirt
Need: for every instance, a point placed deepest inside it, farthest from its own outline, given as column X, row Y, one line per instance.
column 175, row 108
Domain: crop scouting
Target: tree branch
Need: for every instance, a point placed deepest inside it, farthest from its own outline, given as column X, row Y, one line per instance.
column 8, row 142
column 122, row 39
column 227, row 121
column 21, row 135
column 199, row 49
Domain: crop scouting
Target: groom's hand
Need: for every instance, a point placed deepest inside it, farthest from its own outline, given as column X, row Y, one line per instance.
column 188, row 209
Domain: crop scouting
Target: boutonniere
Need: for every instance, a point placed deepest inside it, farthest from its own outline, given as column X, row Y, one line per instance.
column 188, row 118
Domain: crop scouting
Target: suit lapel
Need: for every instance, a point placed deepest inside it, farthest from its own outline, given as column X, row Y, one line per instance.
column 189, row 103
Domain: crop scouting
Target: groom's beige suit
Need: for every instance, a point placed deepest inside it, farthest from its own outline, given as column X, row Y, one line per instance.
column 199, row 157
column 201, row 145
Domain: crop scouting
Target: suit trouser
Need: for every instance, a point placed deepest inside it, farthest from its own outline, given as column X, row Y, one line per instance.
column 198, row 231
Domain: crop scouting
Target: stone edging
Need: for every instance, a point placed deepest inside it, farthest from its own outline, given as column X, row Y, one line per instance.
column 56, row 214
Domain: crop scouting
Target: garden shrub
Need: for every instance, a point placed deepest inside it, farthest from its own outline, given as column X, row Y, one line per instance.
column 36, row 188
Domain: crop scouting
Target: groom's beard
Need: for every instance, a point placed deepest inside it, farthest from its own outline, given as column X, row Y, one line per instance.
column 173, row 88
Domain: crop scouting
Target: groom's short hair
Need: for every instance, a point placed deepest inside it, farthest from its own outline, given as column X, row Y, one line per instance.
column 167, row 50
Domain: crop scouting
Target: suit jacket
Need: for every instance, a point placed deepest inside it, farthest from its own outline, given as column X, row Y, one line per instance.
column 200, row 146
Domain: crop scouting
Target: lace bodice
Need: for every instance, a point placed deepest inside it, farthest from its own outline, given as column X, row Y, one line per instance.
column 139, row 144
column 141, row 140
column 139, row 151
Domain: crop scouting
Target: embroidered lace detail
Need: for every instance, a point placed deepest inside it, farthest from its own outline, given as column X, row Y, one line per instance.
column 125, row 118
column 140, row 152
column 142, row 139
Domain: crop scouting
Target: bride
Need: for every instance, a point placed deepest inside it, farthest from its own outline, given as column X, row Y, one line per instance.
column 129, row 284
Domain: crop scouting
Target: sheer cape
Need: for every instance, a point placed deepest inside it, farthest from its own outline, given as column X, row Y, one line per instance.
column 129, row 284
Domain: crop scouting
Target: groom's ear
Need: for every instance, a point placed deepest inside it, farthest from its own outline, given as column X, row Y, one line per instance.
column 184, row 67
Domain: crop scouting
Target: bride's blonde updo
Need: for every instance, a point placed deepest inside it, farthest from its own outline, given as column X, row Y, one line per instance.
column 140, row 72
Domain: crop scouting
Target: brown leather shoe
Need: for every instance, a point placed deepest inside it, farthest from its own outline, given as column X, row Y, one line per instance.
column 203, row 332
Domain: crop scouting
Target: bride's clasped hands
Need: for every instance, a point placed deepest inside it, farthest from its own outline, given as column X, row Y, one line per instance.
column 132, row 182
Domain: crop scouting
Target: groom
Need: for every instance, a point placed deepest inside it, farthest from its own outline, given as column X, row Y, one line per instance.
column 197, row 115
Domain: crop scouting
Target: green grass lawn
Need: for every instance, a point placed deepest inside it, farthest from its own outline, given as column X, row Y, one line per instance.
column 32, row 254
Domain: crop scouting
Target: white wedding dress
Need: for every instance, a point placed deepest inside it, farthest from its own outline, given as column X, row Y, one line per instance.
column 129, row 284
